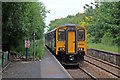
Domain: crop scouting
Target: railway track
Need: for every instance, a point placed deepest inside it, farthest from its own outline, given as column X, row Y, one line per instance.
column 108, row 67
column 93, row 69
column 89, row 74
column 110, row 64
column 79, row 72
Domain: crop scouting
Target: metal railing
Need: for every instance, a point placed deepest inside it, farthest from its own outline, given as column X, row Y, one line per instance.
column 5, row 58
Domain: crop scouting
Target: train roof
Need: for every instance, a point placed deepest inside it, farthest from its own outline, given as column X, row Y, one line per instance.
column 67, row 25
column 51, row 30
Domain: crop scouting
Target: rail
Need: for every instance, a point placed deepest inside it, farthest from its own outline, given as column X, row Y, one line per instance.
column 93, row 77
column 117, row 75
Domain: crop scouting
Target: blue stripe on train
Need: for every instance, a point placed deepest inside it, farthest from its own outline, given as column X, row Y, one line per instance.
column 55, row 38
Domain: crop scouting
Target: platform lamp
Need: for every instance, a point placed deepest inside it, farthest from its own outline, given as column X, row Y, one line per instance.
column 34, row 34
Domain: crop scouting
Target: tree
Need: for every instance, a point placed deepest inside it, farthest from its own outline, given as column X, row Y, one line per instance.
column 100, row 20
column 20, row 20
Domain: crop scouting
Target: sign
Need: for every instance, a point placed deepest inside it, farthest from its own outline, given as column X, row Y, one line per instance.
column 27, row 43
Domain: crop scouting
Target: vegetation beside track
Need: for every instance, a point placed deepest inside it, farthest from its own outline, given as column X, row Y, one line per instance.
column 19, row 21
column 111, row 48
column 39, row 49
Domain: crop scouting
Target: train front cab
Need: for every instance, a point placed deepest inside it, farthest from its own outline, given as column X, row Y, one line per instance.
column 70, row 44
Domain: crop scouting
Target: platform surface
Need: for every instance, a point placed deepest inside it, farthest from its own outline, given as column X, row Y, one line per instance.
column 30, row 69
column 48, row 67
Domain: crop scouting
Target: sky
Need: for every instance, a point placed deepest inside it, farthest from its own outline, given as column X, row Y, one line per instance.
column 63, row 8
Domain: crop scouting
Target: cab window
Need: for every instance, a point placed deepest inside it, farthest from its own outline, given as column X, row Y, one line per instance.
column 61, row 34
column 81, row 34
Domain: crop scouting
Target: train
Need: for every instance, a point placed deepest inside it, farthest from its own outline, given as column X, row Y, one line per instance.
column 68, row 43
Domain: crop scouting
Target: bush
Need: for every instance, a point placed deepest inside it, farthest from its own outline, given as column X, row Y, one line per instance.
column 89, row 38
column 107, row 39
column 39, row 49
column 19, row 48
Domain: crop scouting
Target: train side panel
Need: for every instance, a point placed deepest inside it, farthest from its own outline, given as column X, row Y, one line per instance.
column 50, row 40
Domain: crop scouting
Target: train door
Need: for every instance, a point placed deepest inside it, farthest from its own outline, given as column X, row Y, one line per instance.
column 71, row 41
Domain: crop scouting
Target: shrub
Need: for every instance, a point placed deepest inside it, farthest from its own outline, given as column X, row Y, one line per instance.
column 107, row 39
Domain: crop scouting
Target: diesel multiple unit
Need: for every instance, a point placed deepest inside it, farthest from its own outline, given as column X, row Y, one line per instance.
column 68, row 43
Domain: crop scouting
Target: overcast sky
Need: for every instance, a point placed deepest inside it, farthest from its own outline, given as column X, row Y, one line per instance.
column 63, row 8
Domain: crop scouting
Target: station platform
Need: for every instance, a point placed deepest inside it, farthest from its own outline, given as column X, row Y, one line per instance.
column 51, row 67
column 22, row 69
column 48, row 67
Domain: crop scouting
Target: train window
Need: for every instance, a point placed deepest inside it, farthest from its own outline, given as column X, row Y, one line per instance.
column 61, row 34
column 81, row 34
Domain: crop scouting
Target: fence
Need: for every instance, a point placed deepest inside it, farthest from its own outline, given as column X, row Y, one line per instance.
column 5, row 58
column 0, row 60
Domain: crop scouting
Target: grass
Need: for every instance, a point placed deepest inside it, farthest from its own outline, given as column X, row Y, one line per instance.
column 104, row 47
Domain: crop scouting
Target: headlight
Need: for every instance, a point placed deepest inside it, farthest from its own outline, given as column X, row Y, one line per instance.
column 71, row 57
column 61, row 49
column 80, row 49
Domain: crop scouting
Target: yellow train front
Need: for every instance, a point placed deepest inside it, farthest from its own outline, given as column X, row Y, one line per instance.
column 68, row 43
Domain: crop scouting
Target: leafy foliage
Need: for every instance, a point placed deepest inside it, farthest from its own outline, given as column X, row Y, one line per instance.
column 20, row 20
column 101, row 20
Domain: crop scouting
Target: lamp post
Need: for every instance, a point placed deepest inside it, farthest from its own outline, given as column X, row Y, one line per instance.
column 34, row 45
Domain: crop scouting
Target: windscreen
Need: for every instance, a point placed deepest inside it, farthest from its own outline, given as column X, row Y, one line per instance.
column 81, row 34
column 61, row 34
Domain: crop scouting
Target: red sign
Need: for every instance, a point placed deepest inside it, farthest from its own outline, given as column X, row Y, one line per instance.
column 27, row 43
